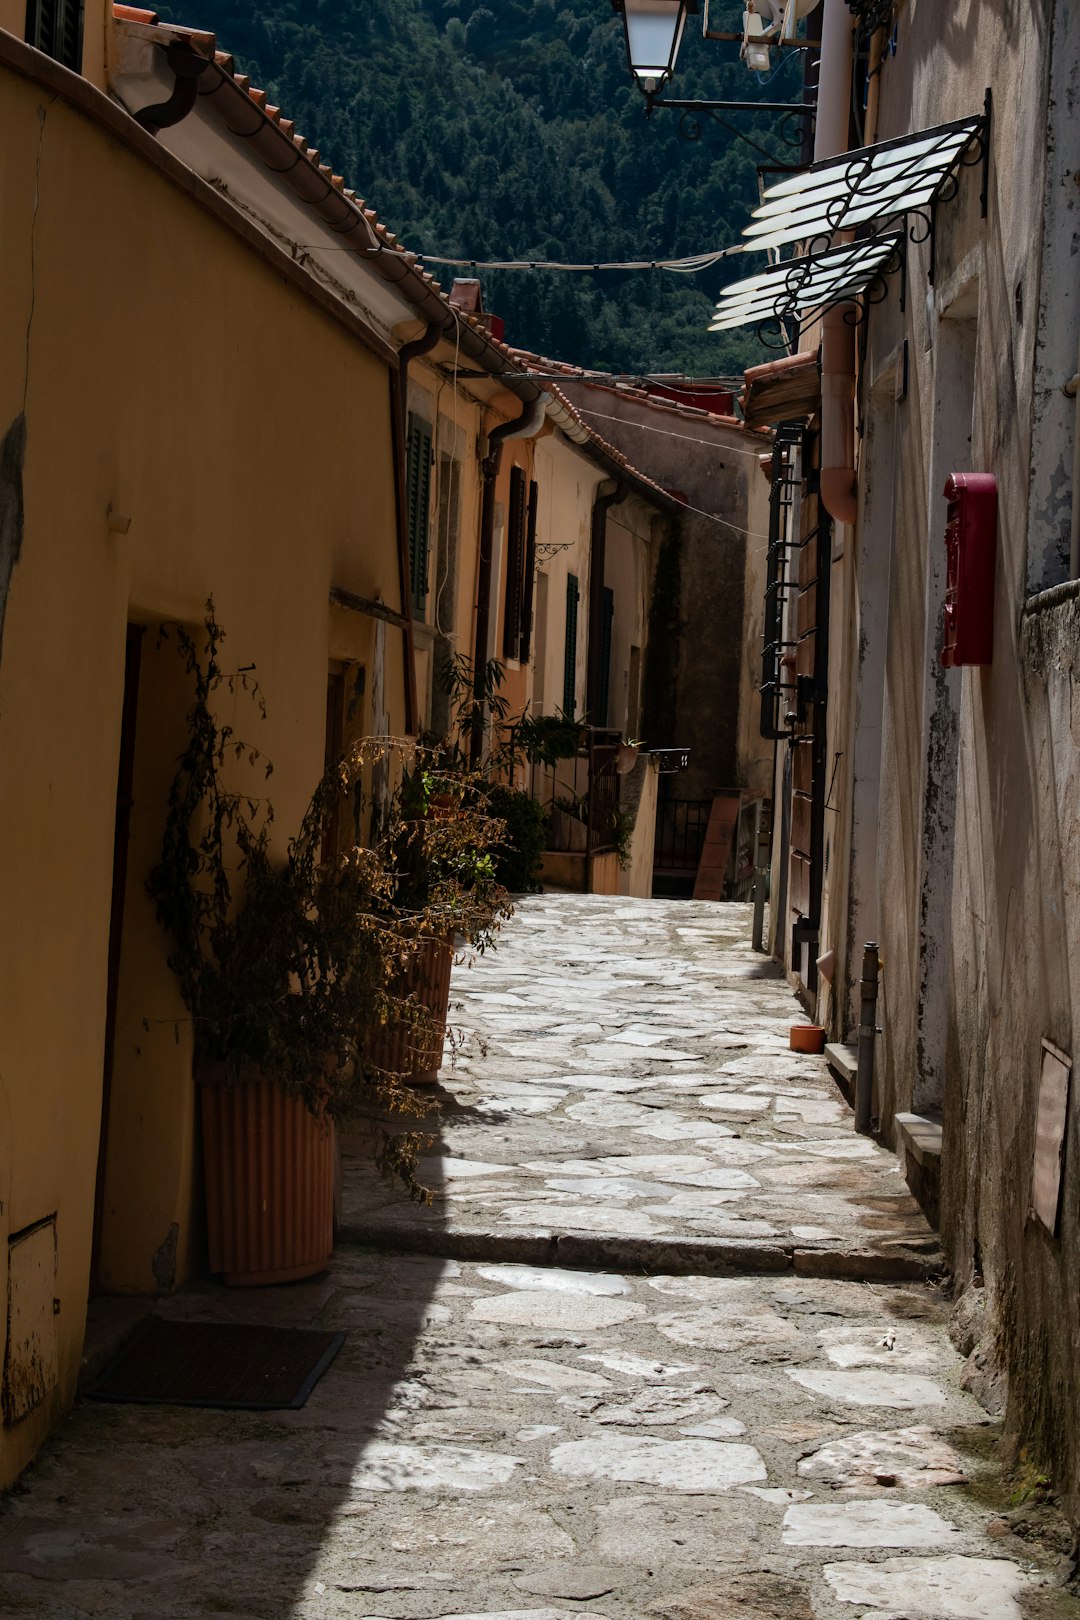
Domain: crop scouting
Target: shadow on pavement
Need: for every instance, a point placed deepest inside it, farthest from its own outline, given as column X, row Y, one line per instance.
column 171, row 1513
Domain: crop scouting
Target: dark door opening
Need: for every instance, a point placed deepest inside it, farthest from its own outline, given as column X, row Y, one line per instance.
column 121, row 832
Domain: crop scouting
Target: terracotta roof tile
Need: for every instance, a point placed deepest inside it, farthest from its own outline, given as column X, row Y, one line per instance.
column 136, row 14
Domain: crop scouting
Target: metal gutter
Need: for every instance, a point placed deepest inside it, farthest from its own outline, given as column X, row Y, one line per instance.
column 91, row 103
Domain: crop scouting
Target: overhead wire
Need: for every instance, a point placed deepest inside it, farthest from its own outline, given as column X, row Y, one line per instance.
column 667, row 433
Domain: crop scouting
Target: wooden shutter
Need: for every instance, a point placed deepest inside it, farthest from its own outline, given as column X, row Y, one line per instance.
column 570, row 654
column 608, row 616
column 418, row 498
column 55, row 27
column 515, row 565
column 530, row 577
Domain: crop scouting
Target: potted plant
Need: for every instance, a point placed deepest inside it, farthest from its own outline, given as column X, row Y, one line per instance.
column 439, row 837
column 289, row 963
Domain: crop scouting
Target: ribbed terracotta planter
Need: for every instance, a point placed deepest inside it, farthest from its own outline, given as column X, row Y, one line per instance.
column 417, row 1053
column 269, row 1167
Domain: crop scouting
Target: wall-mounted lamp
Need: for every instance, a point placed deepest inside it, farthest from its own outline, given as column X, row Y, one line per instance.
column 653, row 30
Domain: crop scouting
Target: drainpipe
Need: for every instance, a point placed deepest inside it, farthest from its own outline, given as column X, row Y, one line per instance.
column 608, row 494
column 399, row 396
column 837, row 334
column 531, row 418
column 1072, row 388
column 187, row 67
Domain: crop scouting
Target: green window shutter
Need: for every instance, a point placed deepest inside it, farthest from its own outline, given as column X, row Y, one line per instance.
column 570, row 655
column 530, row 578
column 515, row 565
column 417, row 502
column 605, row 654
column 56, row 27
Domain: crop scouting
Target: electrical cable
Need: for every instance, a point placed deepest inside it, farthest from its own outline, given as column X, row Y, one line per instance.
column 690, row 266
column 687, row 438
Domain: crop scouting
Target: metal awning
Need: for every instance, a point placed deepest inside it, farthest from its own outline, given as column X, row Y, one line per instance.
column 871, row 186
column 796, row 288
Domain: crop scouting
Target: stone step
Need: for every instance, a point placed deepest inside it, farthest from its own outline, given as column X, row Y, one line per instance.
column 921, row 1136
column 843, row 1059
column 905, row 1261
column 920, row 1153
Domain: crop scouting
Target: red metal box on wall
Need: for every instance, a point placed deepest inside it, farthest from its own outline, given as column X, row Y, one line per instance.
column 971, row 554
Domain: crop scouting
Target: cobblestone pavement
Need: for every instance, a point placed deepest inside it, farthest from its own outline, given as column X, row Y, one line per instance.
column 499, row 1440
column 622, row 1084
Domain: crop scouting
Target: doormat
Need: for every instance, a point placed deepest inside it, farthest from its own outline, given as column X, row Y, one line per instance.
column 218, row 1364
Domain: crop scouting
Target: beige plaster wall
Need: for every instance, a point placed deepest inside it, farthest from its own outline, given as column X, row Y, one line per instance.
column 246, row 436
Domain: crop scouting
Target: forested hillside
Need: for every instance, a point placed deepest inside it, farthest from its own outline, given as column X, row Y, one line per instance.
column 511, row 130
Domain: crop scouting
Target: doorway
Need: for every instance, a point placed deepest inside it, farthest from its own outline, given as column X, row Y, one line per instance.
column 125, row 782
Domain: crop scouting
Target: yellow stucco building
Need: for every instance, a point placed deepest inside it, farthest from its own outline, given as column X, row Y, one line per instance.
column 221, row 378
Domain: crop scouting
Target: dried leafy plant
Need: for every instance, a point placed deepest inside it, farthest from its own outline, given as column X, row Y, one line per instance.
column 292, row 963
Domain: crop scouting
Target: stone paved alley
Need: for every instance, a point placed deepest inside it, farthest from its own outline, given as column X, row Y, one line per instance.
column 557, row 1410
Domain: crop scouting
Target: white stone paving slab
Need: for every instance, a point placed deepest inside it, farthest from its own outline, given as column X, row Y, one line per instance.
column 714, row 1329
column 385, row 1467
column 617, row 1052
column 680, row 1465
column 543, row 1309
column 914, row 1458
column 639, row 1367
column 539, row 1278
column 943, row 1588
column 904, row 1391
column 554, row 1375
column 866, row 1524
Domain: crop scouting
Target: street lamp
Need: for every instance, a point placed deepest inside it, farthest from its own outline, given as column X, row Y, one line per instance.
column 654, row 30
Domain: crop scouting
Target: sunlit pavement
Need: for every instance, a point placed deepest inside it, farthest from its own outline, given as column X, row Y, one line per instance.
column 521, row 1429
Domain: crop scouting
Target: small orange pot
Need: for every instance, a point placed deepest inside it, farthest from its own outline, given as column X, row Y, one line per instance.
column 807, row 1038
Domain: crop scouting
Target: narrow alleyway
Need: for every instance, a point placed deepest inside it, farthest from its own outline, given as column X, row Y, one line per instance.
column 671, row 1352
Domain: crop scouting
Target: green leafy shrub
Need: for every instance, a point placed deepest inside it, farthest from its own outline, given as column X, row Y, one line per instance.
column 518, row 859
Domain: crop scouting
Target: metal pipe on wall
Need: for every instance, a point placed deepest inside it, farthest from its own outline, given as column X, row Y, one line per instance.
column 1073, row 388
column 837, row 333
column 532, row 415
column 608, row 494
column 864, row 1074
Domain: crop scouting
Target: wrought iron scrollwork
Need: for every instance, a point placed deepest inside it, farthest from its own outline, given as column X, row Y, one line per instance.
column 774, row 334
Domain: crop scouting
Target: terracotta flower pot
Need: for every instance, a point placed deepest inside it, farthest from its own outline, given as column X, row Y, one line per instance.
column 403, row 1047
column 807, row 1038
column 269, row 1167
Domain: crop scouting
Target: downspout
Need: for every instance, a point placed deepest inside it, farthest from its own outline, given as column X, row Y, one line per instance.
column 608, row 494
column 837, row 334
column 187, row 67
column 520, row 427
column 399, row 396
column 1072, row 388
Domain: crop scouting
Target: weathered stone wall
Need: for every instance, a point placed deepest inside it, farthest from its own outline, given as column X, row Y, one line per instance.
column 978, row 850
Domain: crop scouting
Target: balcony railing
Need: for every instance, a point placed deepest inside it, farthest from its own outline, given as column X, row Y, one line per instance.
column 581, row 794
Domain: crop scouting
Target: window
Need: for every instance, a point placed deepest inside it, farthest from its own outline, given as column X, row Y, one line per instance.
column 530, row 577
column 608, row 616
column 633, row 693
column 417, row 502
column 573, row 596
column 520, row 568
column 55, row 27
